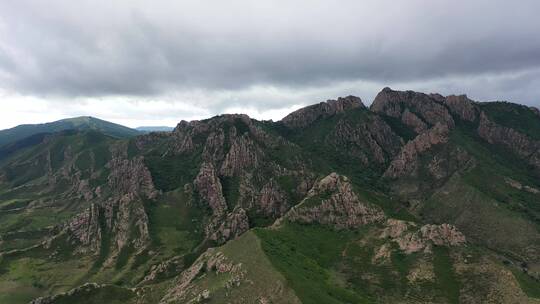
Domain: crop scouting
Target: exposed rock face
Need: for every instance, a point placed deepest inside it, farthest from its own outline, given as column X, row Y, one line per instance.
column 212, row 261
column 305, row 116
column 124, row 219
column 163, row 270
column 406, row 162
column 128, row 225
column 85, row 229
column 333, row 202
column 426, row 107
column 519, row 186
column 209, row 188
column 462, row 106
column 371, row 141
column 213, row 148
column 131, row 177
column 410, row 239
column 187, row 135
column 273, row 201
column 520, row 144
column 243, row 154
column 232, row 226
column 411, row 120
column 120, row 214
column 222, row 226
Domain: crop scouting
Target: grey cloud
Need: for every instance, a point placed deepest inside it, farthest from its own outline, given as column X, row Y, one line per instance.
column 134, row 48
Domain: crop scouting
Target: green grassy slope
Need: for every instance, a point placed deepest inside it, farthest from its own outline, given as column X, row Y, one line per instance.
column 77, row 123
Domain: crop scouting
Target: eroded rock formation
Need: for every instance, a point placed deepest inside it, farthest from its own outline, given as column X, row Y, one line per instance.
column 333, row 202
column 519, row 143
column 411, row 239
column 426, row 107
column 305, row 116
column 406, row 162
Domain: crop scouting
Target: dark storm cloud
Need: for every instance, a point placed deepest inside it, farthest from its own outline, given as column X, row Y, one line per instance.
column 152, row 48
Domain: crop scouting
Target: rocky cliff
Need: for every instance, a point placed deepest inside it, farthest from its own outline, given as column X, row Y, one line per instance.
column 333, row 202
column 305, row 116
column 522, row 145
column 413, row 108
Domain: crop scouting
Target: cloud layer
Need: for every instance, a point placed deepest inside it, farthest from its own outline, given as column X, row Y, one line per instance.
column 263, row 57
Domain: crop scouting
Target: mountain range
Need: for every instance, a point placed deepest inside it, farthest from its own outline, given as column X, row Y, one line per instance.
column 419, row 198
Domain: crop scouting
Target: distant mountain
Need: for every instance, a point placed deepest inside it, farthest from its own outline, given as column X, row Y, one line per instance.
column 148, row 129
column 77, row 123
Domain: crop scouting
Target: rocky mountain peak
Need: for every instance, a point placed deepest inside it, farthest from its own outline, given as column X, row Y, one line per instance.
column 305, row 116
column 413, row 108
column 333, row 202
column 462, row 106
column 200, row 126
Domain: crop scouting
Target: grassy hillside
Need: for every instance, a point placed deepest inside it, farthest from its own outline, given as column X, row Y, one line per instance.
column 78, row 123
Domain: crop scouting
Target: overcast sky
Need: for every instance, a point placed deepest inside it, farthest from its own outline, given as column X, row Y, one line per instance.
column 158, row 62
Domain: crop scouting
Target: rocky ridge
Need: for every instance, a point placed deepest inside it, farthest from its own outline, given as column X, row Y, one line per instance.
column 406, row 162
column 333, row 202
column 412, row 239
column 520, row 144
column 305, row 116
column 413, row 108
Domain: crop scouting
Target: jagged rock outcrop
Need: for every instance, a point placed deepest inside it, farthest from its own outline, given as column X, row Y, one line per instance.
column 183, row 137
column 371, row 141
column 273, row 201
column 130, row 177
column 212, row 261
column 187, row 135
column 85, row 229
column 462, row 106
column 411, row 120
column 520, row 144
column 214, row 147
column 515, row 184
column 303, row 117
column 222, row 226
column 242, row 155
column 230, row 227
column 209, row 188
column 121, row 214
column 411, row 239
column 333, row 202
column 406, row 162
column 425, row 107
column 163, row 270
column 128, row 222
